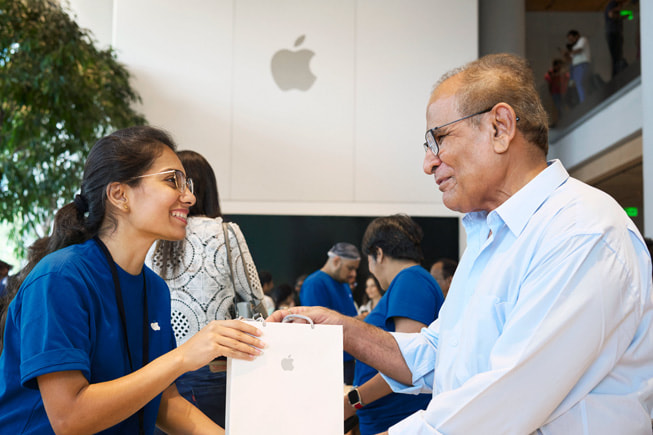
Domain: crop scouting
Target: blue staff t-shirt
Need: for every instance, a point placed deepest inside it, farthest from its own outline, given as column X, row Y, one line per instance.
column 320, row 290
column 65, row 317
column 412, row 294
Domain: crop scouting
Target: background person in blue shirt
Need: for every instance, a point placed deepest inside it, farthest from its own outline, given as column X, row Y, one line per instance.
column 329, row 287
column 88, row 345
column 411, row 302
column 548, row 324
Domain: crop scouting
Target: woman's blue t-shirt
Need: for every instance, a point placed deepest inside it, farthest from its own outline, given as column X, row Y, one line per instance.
column 412, row 294
column 65, row 317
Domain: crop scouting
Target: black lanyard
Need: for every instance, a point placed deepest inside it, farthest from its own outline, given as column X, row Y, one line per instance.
column 123, row 320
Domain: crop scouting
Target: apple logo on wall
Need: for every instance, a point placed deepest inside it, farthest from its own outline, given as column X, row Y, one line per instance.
column 290, row 69
column 287, row 363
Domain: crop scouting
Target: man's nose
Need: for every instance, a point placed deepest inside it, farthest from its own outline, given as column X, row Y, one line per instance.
column 431, row 162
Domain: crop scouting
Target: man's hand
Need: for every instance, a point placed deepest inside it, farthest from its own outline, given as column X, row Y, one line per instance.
column 319, row 315
column 367, row 343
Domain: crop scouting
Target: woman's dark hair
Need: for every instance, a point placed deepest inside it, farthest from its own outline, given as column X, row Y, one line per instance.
column 207, row 204
column 280, row 293
column 118, row 157
column 265, row 277
column 206, row 187
column 376, row 282
column 398, row 236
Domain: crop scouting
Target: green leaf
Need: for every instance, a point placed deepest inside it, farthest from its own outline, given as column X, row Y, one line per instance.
column 60, row 94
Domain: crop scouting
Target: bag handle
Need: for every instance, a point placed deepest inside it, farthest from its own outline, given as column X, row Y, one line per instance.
column 298, row 316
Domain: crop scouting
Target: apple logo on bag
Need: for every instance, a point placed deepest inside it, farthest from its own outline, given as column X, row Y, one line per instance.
column 287, row 363
column 291, row 70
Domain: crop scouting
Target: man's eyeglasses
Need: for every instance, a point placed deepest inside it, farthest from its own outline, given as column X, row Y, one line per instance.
column 432, row 141
column 181, row 182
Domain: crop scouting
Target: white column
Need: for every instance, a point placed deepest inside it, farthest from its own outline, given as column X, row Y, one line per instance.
column 502, row 27
column 646, row 37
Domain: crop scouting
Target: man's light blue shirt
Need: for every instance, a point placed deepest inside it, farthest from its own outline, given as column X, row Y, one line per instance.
column 547, row 325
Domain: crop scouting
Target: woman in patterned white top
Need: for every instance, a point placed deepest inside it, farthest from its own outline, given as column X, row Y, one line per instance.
column 198, row 273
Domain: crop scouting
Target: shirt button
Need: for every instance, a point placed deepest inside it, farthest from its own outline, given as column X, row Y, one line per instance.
column 453, row 342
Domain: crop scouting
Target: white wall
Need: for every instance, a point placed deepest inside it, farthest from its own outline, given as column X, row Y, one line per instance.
column 351, row 145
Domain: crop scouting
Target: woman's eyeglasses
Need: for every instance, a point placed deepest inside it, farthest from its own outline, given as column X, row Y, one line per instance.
column 181, row 181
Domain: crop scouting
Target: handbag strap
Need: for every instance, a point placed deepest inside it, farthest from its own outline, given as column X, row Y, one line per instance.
column 225, row 230
column 249, row 280
column 256, row 305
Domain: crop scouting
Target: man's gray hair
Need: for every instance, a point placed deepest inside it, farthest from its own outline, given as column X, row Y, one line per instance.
column 506, row 78
column 344, row 250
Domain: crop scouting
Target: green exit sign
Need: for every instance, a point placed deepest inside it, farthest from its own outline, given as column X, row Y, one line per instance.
column 632, row 211
column 626, row 14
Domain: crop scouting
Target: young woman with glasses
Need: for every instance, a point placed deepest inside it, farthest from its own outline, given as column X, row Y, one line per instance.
column 88, row 344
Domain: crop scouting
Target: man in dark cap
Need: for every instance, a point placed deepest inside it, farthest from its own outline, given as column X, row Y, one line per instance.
column 329, row 287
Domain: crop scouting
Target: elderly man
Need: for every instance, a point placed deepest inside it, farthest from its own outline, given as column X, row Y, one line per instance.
column 548, row 321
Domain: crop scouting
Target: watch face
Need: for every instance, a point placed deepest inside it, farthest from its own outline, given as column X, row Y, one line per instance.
column 353, row 397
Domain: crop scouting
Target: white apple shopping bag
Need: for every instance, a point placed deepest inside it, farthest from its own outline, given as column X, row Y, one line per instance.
column 294, row 387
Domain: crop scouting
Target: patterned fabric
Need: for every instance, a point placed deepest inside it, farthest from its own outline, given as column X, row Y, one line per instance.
column 202, row 290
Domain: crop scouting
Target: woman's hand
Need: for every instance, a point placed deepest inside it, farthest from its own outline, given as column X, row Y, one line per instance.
column 230, row 338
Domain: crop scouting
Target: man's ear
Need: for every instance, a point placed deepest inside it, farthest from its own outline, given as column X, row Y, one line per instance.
column 379, row 255
column 504, row 123
column 336, row 261
column 116, row 195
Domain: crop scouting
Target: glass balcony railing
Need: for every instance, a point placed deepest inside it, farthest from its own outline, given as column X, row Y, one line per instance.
column 602, row 39
column 598, row 92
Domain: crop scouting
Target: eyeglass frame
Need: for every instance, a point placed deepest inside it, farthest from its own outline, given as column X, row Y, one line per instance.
column 178, row 179
column 430, row 132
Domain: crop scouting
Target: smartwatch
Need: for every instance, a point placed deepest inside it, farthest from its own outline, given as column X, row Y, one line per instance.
column 355, row 398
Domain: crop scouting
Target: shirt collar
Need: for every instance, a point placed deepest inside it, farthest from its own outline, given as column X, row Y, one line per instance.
column 517, row 210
